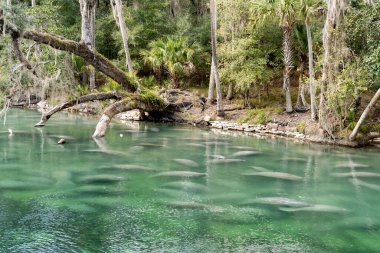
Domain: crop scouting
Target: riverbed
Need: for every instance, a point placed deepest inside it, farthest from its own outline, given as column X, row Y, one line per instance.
column 166, row 188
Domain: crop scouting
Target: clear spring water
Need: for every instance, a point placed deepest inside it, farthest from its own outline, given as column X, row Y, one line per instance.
column 81, row 196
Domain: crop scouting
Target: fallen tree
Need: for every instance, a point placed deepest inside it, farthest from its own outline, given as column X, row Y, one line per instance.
column 83, row 99
column 166, row 102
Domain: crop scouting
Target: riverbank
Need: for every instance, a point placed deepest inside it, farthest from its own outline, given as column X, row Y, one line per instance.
column 296, row 126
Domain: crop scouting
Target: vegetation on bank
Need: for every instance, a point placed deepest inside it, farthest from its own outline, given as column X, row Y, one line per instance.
column 273, row 56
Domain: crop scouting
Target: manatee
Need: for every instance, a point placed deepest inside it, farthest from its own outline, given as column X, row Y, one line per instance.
column 185, row 185
column 244, row 147
column 220, row 157
column 350, row 165
column 186, row 162
column 181, row 174
column 375, row 187
column 101, row 179
column 136, row 148
column 356, row 174
column 225, row 161
column 246, row 153
column 277, row 175
column 132, row 167
column 315, row 208
column 261, row 169
column 154, row 129
column 277, row 201
column 195, row 145
column 108, row 152
column 151, row 145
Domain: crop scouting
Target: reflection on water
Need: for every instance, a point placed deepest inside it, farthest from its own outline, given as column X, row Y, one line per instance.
column 159, row 188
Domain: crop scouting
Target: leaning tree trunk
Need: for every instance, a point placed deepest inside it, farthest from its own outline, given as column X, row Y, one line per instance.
column 220, row 111
column 211, row 86
column 83, row 99
column 101, row 63
column 118, row 13
column 287, row 55
column 129, row 103
column 364, row 115
column 88, row 11
column 313, row 102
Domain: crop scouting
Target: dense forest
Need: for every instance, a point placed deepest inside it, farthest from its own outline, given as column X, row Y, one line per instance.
column 321, row 58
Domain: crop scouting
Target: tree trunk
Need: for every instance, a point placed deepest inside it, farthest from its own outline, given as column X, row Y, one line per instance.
column 220, row 111
column 88, row 11
column 123, row 30
column 101, row 63
column 230, row 92
column 127, row 104
column 301, row 104
column 211, row 86
column 313, row 102
column 287, row 55
column 364, row 115
column 33, row 3
column 86, row 98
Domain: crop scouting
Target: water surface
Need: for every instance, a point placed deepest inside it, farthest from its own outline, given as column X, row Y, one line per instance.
column 128, row 193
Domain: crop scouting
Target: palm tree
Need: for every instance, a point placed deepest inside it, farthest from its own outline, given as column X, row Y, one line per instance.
column 219, row 98
column 285, row 10
column 172, row 56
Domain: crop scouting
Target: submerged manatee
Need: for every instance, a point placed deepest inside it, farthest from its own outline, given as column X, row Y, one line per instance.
column 219, row 157
column 151, row 145
column 101, row 179
column 133, row 167
column 181, row 174
column 315, row 208
column 195, row 145
column 261, row 169
column 187, row 162
column 356, row 174
column 375, row 187
column 277, row 201
column 225, row 161
column 350, row 165
column 186, row 185
column 277, row 175
column 246, row 153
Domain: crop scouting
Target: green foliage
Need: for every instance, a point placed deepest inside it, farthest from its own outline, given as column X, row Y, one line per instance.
column 82, row 89
column 172, row 56
column 301, row 127
column 111, row 85
column 152, row 99
column 257, row 116
column 363, row 37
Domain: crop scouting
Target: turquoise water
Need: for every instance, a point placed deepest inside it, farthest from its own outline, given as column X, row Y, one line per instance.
column 126, row 193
